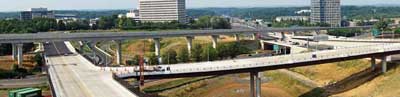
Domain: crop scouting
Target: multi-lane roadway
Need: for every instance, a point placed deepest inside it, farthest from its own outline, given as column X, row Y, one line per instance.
column 73, row 76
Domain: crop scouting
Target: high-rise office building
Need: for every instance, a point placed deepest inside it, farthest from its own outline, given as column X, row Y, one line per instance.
column 162, row 10
column 326, row 11
column 36, row 13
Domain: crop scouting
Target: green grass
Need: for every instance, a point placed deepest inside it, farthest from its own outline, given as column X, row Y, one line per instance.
column 389, row 86
column 292, row 86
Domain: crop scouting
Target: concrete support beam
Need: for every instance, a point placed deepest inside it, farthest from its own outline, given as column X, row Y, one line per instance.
column 254, row 36
column 158, row 49
column 237, row 37
column 20, row 54
column 119, row 52
column 384, row 64
column 255, row 84
column 215, row 40
column 373, row 63
column 14, row 52
column 189, row 40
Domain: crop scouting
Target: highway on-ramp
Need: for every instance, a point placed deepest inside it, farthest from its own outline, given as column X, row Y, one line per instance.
column 73, row 76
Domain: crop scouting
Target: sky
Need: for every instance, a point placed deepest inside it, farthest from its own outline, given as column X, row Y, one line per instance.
column 19, row 5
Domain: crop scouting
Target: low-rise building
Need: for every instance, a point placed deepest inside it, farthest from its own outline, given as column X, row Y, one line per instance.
column 36, row 13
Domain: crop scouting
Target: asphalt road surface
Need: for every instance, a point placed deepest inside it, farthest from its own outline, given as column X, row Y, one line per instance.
column 74, row 76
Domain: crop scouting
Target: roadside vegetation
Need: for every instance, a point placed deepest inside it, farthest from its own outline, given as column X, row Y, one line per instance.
column 15, row 71
column 174, row 50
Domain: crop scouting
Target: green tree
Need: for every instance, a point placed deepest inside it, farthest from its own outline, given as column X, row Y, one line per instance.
column 397, row 31
column 38, row 59
column 183, row 55
column 169, row 57
column 153, row 59
column 106, row 22
column 134, row 61
column 61, row 25
column 209, row 53
column 231, row 50
column 381, row 25
column 196, row 53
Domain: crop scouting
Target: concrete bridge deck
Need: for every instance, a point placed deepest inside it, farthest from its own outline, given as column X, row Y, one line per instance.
column 74, row 76
column 264, row 63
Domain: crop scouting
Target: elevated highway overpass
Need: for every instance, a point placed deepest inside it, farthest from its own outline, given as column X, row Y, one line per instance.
column 263, row 63
column 18, row 39
column 97, row 36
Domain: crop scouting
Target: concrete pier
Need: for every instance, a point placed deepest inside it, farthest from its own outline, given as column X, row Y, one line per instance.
column 20, row 52
column 14, row 52
column 189, row 40
column 373, row 63
column 215, row 40
column 262, row 45
column 283, row 36
column 157, row 49
column 118, row 52
column 384, row 64
column 255, row 84
column 237, row 37
column 254, row 36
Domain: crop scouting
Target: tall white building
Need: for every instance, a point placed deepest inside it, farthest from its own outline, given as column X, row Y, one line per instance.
column 326, row 11
column 162, row 10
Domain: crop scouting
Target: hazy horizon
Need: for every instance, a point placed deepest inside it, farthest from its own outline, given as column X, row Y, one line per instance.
column 21, row 5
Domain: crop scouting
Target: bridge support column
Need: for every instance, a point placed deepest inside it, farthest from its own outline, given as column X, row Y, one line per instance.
column 14, row 52
column 373, row 63
column 254, row 36
column 262, row 44
column 255, row 84
column 189, row 40
column 215, row 40
column 283, row 36
column 157, row 49
column 20, row 56
column 237, row 37
column 118, row 52
column 384, row 64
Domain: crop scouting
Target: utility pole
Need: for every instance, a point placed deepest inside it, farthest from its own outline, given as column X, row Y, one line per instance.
column 141, row 63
